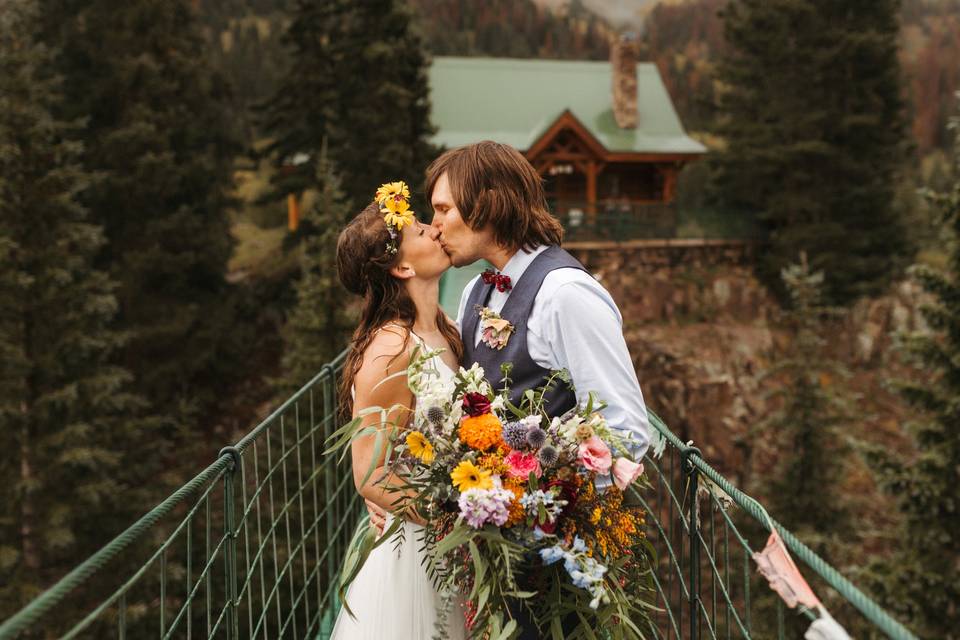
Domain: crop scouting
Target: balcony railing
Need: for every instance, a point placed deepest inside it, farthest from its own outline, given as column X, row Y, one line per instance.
column 251, row 547
column 622, row 221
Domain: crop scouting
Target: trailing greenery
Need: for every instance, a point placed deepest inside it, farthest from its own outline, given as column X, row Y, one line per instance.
column 71, row 431
column 515, row 532
column 814, row 131
column 922, row 579
column 358, row 80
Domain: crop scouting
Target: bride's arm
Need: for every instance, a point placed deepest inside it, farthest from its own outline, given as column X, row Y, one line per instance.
column 387, row 355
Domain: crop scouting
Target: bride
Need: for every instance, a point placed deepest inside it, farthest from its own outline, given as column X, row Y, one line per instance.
column 394, row 262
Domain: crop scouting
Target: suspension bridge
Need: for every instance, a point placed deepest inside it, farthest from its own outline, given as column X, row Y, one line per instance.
column 252, row 545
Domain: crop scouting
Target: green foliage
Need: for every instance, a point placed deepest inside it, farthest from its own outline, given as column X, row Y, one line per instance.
column 244, row 43
column 320, row 323
column 685, row 40
column 807, row 432
column 513, row 29
column 70, row 429
column 813, row 408
column 358, row 80
column 922, row 581
column 154, row 133
column 814, row 130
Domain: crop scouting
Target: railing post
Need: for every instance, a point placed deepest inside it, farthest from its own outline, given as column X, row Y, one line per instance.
column 230, row 518
column 329, row 426
column 694, row 532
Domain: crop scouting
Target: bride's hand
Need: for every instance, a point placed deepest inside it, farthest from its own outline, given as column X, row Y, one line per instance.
column 378, row 517
column 413, row 516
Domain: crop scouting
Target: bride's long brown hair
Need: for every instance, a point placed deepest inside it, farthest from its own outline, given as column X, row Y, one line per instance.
column 363, row 264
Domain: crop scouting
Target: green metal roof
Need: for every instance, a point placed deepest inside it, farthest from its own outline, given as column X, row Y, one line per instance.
column 514, row 101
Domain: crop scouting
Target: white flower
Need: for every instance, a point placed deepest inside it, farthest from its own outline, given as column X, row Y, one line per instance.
column 597, row 421
column 499, row 404
column 453, row 418
column 568, row 430
column 473, row 380
column 532, row 420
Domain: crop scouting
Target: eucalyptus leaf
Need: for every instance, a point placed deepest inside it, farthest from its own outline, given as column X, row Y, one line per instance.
column 479, row 567
column 508, row 630
column 556, row 629
column 483, row 596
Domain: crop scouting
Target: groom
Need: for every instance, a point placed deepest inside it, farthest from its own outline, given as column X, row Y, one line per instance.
column 489, row 204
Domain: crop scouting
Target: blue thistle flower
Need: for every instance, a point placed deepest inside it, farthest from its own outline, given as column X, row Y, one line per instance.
column 435, row 415
column 548, row 455
column 536, row 437
column 515, row 435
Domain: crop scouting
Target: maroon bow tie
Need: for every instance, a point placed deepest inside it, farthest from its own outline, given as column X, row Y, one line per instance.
column 492, row 277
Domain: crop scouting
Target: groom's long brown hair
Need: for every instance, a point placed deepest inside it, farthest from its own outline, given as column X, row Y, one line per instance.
column 493, row 184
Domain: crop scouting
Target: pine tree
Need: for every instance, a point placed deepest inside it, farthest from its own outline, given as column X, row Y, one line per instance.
column 806, row 494
column 922, row 580
column 156, row 132
column 320, row 323
column 812, row 117
column 806, row 431
column 359, row 81
column 71, row 474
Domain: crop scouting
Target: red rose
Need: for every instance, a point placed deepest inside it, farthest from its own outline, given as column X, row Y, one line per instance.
column 547, row 527
column 475, row 404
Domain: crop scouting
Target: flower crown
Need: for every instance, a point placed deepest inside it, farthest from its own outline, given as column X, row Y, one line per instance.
column 393, row 198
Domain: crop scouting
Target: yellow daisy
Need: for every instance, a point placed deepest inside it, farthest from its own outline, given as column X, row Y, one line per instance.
column 397, row 213
column 420, row 447
column 468, row 476
column 389, row 190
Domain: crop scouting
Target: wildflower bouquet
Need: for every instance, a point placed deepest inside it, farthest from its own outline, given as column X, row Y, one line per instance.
column 515, row 525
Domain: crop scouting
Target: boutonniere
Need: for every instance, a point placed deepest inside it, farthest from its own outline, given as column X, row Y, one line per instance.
column 494, row 330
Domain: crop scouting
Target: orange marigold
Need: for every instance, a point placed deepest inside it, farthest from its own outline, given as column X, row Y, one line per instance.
column 481, row 432
column 493, row 462
column 515, row 510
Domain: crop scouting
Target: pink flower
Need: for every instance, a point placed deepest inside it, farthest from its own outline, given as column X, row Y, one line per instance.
column 626, row 472
column 493, row 338
column 595, row 455
column 520, row 465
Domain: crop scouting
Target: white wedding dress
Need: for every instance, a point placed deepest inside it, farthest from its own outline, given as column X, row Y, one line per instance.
column 392, row 598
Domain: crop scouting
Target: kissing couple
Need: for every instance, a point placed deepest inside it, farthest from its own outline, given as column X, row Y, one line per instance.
column 540, row 310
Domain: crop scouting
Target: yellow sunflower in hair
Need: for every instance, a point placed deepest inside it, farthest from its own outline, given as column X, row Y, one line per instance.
column 390, row 190
column 397, row 212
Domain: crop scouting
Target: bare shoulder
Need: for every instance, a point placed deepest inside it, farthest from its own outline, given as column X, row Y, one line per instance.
column 388, row 353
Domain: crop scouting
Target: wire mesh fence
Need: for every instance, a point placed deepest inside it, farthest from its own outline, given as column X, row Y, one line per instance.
column 251, row 547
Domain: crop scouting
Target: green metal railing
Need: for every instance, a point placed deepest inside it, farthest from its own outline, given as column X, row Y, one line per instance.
column 705, row 584
column 251, row 548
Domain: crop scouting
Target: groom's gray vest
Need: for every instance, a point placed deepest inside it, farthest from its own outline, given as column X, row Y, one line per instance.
column 525, row 374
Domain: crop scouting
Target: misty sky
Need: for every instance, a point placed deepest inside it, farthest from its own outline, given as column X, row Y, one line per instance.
column 616, row 11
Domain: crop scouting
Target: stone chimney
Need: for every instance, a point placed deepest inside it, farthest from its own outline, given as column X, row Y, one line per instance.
column 623, row 59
